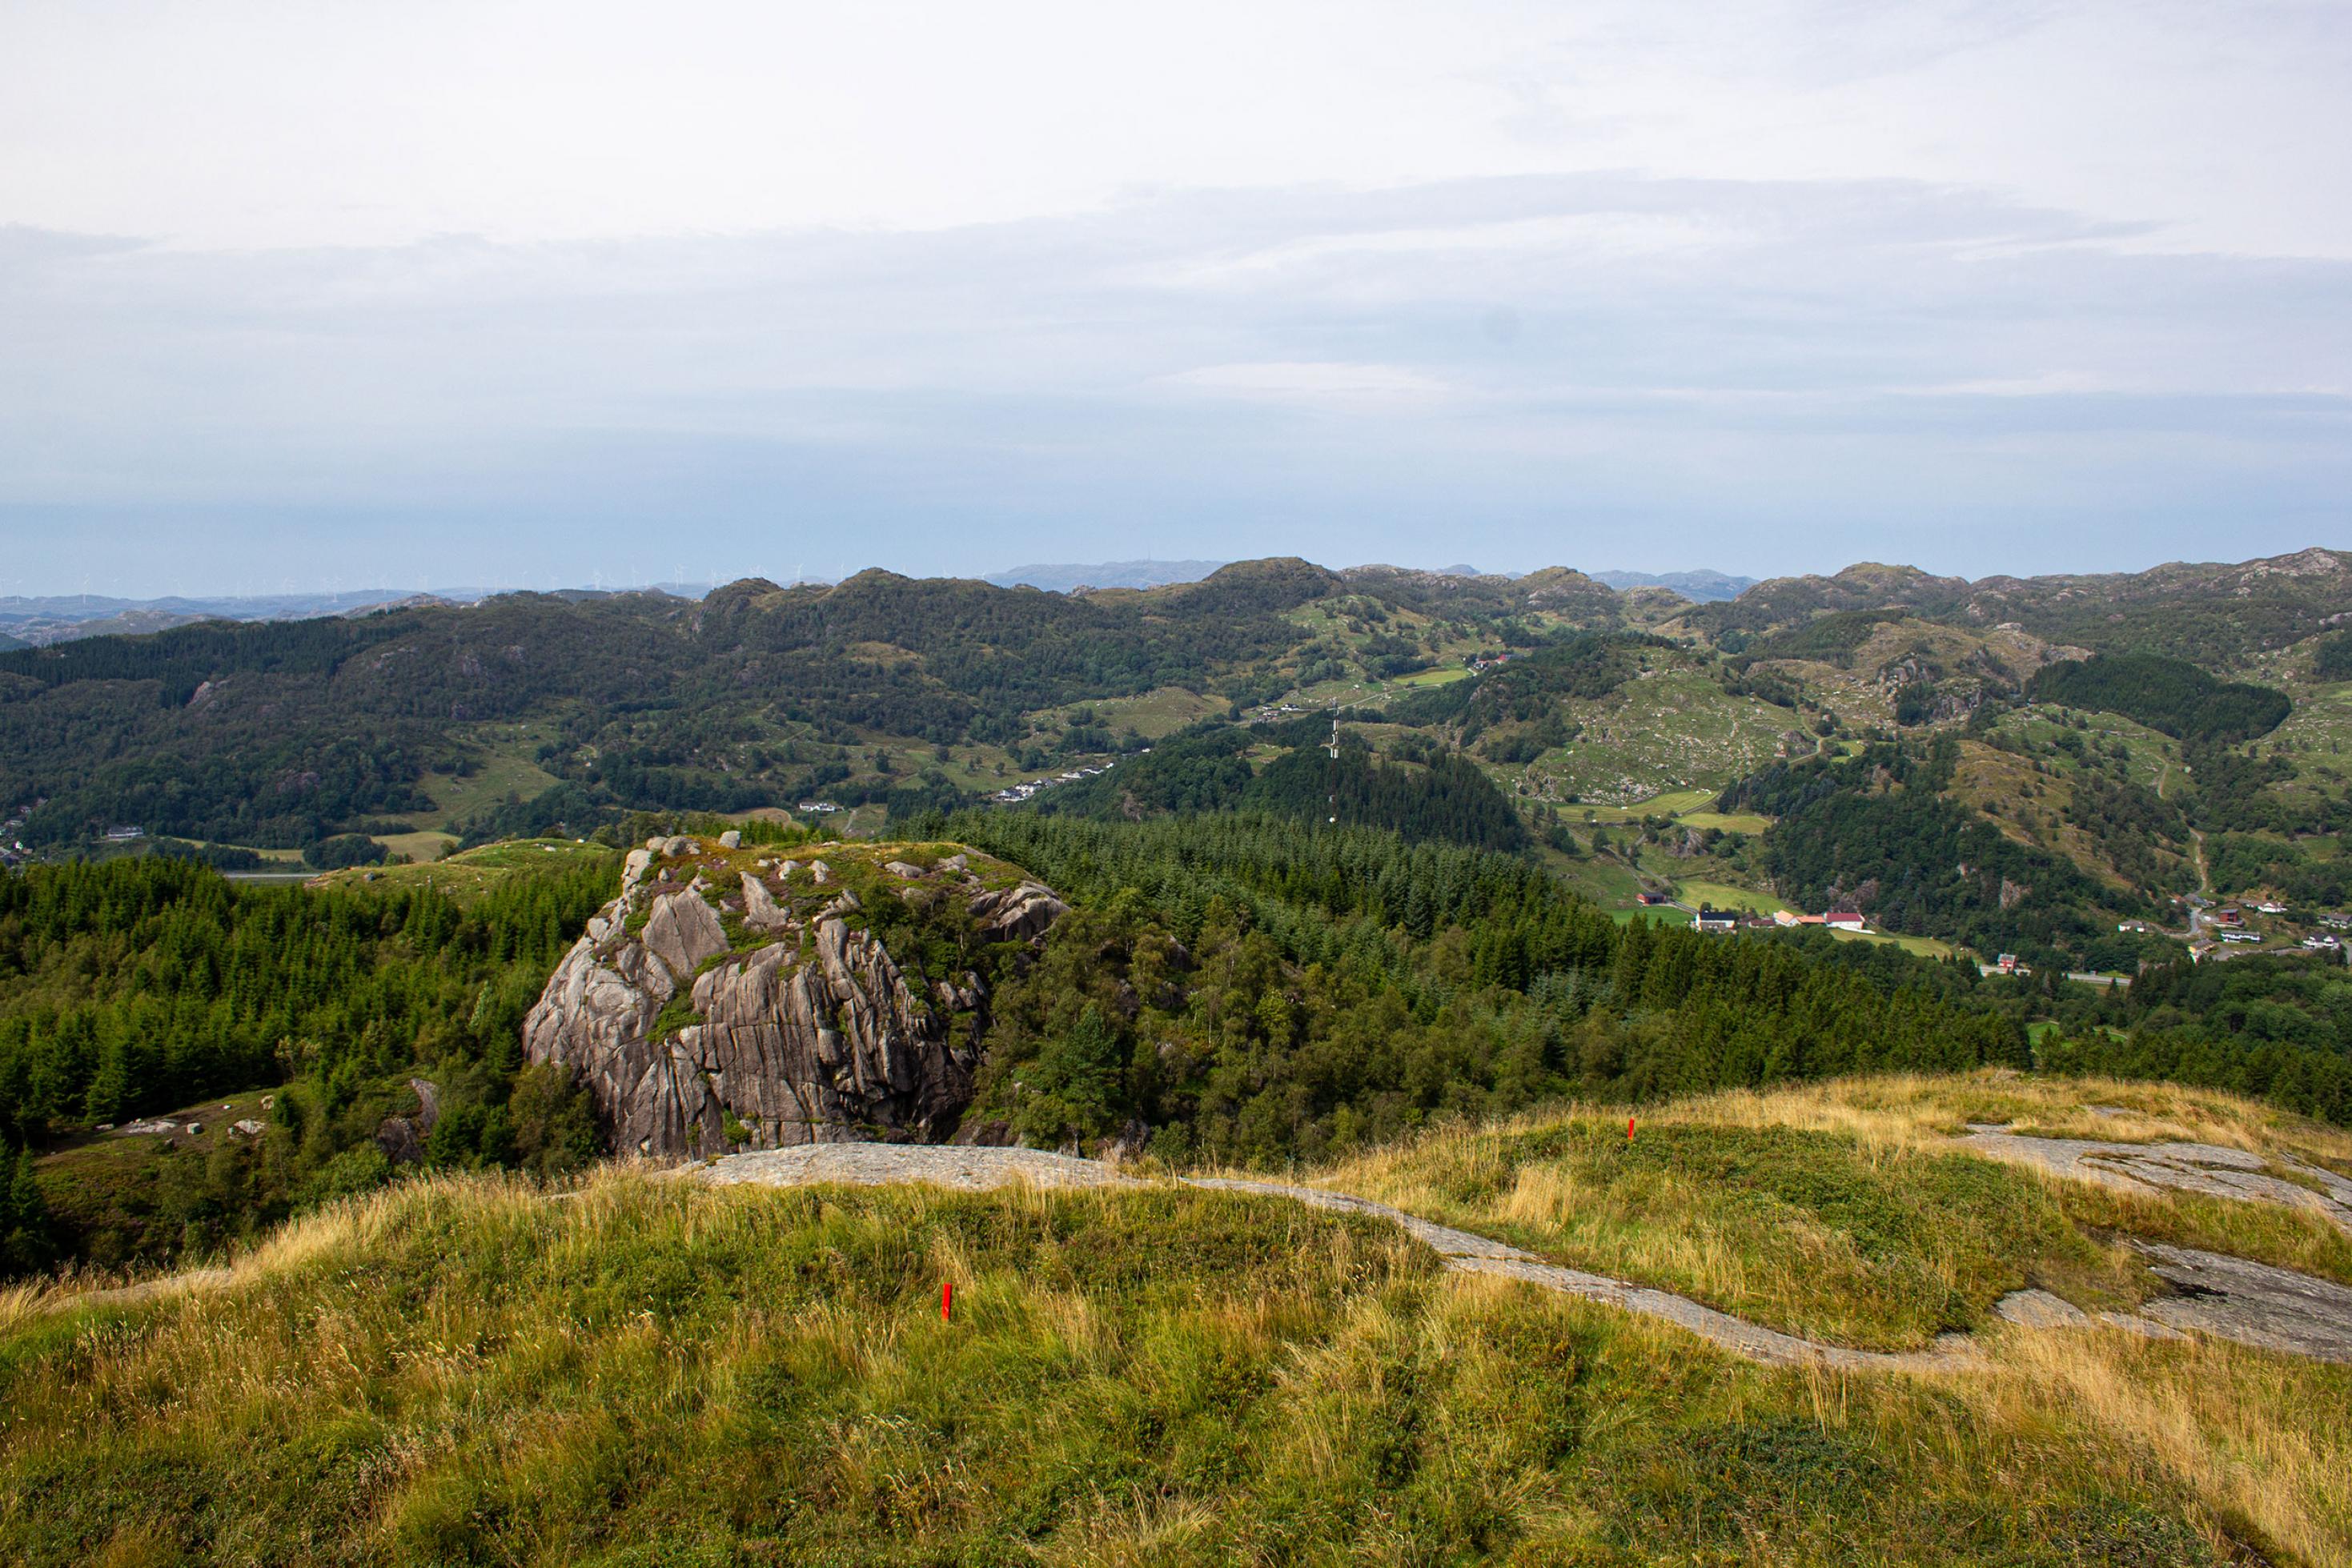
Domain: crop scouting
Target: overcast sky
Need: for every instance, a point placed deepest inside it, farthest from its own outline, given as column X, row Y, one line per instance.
column 541, row 294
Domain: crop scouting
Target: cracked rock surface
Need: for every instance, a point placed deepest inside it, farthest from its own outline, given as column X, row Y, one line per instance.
column 2207, row 1169
column 2252, row 1303
column 814, row 1037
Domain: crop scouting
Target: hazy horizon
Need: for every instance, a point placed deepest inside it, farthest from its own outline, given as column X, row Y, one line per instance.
column 14, row 596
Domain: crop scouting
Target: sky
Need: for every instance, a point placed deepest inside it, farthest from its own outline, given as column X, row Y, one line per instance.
column 534, row 294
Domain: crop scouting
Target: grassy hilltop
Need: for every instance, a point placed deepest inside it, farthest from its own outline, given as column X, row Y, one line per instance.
column 637, row 1370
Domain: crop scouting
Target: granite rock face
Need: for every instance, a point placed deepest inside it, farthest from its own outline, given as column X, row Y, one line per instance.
column 1022, row 912
column 817, row 1037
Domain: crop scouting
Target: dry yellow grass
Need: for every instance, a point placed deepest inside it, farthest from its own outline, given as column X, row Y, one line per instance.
column 1919, row 1110
column 472, row 1366
column 2260, row 1438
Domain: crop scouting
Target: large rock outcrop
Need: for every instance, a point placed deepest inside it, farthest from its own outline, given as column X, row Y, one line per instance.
column 815, row 1037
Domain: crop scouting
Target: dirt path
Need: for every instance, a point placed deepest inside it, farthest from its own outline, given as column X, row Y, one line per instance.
column 2226, row 1297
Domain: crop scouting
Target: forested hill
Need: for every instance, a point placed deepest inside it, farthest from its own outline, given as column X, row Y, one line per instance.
column 2197, row 613
column 2168, row 695
column 273, row 735
column 2093, row 748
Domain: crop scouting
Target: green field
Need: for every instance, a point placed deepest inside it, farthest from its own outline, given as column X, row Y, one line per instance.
column 1437, row 677
column 1674, row 727
column 1156, row 713
column 1724, row 895
column 506, row 770
column 425, row 845
column 1668, row 803
column 1925, row 946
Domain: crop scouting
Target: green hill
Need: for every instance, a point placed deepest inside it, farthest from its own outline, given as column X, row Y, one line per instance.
column 2167, row 695
column 635, row 1369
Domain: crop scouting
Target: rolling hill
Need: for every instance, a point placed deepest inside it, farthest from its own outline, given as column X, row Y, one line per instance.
column 883, row 697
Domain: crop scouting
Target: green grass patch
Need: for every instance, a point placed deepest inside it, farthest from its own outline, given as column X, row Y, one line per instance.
column 1810, row 1232
column 1724, row 895
column 1925, row 946
column 468, row 875
column 1437, row 677
column 1670, row 803
column 655, row 1372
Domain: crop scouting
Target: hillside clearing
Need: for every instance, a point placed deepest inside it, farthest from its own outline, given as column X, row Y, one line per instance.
column 461, row 1370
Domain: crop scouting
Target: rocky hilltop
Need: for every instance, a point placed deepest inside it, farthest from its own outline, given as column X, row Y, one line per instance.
column 735, row 997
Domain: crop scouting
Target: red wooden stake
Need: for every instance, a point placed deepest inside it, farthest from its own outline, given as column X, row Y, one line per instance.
column 1629, row 1129
column 947, row 1301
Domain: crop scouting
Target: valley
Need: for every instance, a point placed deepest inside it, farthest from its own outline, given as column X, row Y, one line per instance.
column 882, row 699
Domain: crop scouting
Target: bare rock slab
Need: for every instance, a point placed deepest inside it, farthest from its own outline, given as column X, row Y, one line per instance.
column 2251, row 1304
column 2210, row 1169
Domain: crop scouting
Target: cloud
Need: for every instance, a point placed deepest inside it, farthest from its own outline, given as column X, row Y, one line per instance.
column 1749, row 373
column 1308, row 382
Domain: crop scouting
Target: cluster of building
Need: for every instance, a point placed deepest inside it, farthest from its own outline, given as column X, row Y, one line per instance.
column 1835, row 919
column 2229, row 926
column 1013, row 794
column 1709, row 918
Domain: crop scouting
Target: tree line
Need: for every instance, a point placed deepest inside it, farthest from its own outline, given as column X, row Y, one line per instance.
column 142, row 985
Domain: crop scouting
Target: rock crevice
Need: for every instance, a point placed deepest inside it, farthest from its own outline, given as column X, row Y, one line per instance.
column 814, row 1037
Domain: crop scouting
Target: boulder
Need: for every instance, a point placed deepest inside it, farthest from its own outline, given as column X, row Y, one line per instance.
column 249, row 1128
column 396, row 1137
column 1129, row 1142
column 428, row 1103
column 402, row 1138
column 683, row 931
column 903, row 870
column 820, row 873
column 983, row 1136
column 731, row 840
column 633, row 870
column 1019, row 912
column 760, row 911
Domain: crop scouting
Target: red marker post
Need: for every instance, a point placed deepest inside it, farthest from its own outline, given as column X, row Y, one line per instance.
column 947, row 1301
column 1629, row 1129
